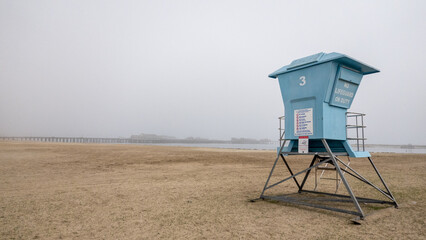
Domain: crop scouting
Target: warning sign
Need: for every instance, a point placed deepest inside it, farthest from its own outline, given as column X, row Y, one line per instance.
column 303, row 122
column 303, row 144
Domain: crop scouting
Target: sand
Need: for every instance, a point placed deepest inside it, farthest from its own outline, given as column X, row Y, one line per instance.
column 100, row 191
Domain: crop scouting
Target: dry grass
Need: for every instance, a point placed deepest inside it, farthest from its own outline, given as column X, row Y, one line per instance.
column 83, row 191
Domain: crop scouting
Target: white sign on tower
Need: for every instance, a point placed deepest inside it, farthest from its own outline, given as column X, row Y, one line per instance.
column 303, row 122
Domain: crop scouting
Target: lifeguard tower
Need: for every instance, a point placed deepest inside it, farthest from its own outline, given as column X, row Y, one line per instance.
column 317, row 91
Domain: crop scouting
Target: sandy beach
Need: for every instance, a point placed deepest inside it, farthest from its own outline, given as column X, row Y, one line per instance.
column 101, row 191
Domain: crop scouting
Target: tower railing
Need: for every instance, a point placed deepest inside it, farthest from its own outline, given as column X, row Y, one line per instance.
column 281, row 128
column 355, row 122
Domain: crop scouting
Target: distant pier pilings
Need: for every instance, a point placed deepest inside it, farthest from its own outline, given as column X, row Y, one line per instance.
column 121, row 140
column 67, row 139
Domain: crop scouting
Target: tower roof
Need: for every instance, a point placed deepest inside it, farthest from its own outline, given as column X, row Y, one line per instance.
column 322, row 58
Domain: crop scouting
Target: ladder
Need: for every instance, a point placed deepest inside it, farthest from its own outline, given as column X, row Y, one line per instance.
column 329, row 167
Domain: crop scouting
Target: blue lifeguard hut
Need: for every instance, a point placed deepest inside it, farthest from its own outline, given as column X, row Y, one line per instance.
column 317, row 92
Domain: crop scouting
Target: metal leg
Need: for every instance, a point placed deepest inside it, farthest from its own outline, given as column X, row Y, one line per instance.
column 348, row 188
column 383, row 181
column 316, row 179
column 273, row 167
column 269, row 177
column 344, row 170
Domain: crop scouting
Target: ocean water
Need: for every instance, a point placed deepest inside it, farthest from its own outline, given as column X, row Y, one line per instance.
column 395, row 149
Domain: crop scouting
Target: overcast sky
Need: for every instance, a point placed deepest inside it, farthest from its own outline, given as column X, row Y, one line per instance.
column 199, row 68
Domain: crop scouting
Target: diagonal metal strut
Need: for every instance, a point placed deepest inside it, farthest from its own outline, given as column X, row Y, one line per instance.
column 386, row 194
column 307, row 169
column 345, row 182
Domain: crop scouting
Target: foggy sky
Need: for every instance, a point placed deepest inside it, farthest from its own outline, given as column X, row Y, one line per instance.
column 199, row 68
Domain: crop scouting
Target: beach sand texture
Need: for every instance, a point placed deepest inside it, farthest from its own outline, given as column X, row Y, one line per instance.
column 100, row 191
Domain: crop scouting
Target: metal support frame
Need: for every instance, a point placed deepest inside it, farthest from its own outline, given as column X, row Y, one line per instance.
column 323, row 158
